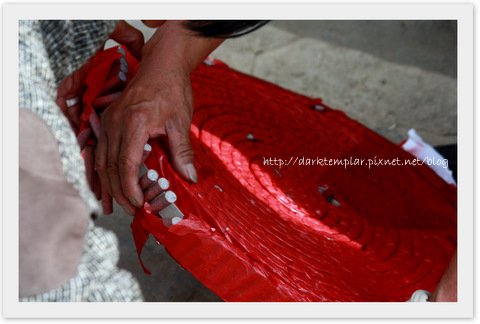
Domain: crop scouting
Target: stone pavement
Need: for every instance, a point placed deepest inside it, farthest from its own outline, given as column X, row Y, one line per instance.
column 353, row 66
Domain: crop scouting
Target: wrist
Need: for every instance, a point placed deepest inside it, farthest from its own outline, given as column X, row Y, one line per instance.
column 174, row 46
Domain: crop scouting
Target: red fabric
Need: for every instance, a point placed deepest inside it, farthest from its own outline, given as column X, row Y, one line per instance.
column 102, row 65
column 254, row 232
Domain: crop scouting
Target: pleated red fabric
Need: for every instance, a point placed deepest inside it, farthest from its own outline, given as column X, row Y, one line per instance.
column 255, row 230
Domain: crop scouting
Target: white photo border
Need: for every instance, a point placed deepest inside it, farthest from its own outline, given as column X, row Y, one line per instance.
column 463, row 13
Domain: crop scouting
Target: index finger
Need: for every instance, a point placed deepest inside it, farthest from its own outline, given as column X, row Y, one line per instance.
column 129, row 162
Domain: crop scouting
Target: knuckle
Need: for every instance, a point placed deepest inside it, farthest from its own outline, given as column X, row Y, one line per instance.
column 100, row 167
column 137, row 117
column 138, row 36
column 114, row 117
column 179, row 125
column 108, row 118
column 125, row 163
column 112, row 168
column 184, row 151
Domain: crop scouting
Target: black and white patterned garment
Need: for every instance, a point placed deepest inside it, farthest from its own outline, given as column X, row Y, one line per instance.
column 48, row 52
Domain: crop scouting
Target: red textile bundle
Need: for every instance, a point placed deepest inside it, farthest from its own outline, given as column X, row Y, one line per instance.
column 259, row 232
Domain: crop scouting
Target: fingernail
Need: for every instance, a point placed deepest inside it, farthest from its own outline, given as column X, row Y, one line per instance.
column 134, row 201
column 191, row 172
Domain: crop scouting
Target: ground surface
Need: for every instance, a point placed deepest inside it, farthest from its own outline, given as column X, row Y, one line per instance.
column 389, row 75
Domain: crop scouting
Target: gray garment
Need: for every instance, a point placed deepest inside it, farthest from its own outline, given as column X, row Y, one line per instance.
column 48, row 52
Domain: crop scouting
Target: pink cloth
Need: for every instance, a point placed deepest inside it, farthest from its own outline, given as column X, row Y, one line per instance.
column 53, row 217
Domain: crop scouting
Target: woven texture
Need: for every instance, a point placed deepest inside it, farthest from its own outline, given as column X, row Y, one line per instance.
column 49, row 50
column 259, row 232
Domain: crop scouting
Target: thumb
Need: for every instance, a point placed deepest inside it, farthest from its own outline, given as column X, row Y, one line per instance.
column 181, row 150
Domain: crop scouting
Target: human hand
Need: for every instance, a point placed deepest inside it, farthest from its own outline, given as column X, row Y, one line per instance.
column 157, row 101
column 446, row 290
column 70, row 91
column 69, row 98
column 149, row 107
